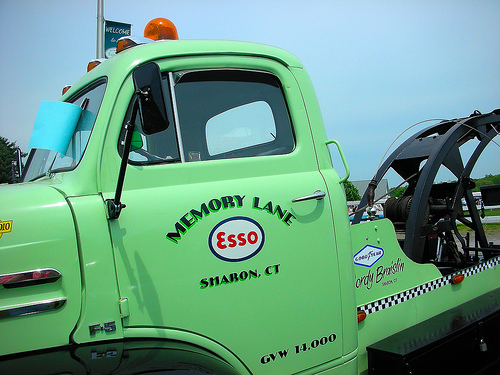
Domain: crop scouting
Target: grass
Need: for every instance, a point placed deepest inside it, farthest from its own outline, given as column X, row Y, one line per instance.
column 492, row 212
column 489, row 228
column 489, row 212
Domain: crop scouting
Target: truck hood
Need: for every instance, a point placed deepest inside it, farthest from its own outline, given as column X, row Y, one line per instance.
column 33, row 213
column 39, row 267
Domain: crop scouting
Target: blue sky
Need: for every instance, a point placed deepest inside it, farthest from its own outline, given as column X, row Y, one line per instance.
column 378, row 66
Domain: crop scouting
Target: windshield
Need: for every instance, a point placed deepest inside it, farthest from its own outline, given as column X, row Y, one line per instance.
column 42, row 161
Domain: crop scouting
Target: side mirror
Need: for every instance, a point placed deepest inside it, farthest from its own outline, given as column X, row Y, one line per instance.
column 151, row 104
column 148, row 86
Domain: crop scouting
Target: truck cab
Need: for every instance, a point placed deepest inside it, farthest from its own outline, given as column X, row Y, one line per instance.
column 225, row 214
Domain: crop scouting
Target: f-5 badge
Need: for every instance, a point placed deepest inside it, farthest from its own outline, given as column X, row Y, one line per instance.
column 5, row 227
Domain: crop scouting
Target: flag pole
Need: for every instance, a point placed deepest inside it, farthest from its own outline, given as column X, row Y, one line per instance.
column 100, row 30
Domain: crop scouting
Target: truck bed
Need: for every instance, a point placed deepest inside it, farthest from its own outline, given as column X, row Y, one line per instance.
column 464, row 339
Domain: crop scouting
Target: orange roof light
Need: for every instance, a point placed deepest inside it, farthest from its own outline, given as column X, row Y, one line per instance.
column 65, row 89
column 124, row 43
column 93, row 63
column 160, row 29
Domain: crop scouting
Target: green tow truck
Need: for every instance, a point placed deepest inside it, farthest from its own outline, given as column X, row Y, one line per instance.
column 179, row 210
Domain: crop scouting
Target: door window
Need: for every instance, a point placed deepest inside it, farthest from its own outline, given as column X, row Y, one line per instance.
column 219, row 114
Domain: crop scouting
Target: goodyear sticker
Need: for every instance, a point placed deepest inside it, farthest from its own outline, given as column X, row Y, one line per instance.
column 5, row 227
column 368, row 256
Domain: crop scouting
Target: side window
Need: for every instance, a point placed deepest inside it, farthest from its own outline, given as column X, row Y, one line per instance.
column 220, row 114
column 231, row 113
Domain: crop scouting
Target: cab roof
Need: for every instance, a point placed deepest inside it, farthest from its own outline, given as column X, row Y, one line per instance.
column 123, row 63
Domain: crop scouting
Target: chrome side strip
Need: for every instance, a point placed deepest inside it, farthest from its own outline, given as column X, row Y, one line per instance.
column 32, row 308
column 27, row 278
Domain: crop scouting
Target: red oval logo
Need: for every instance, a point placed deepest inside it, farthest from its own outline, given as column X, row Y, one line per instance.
column 236, row 239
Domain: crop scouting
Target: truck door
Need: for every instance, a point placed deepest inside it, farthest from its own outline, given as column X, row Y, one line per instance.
column 210, row 242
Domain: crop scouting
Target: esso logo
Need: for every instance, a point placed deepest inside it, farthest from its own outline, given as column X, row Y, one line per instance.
column 236, row 239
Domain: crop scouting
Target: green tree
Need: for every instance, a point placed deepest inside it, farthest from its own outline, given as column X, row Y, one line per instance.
column 488, row 179
column 8, row 154
column 398, row 192
column 351, row 191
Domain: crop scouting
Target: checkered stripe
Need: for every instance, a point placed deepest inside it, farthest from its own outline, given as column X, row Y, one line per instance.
column 424, row 288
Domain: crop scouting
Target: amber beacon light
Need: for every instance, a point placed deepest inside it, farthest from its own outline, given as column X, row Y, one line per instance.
column 160, row 29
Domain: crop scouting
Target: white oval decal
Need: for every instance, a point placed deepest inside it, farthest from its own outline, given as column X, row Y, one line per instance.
column 236, row 239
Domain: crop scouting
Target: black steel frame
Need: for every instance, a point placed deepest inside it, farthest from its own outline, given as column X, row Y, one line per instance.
column 440, row 145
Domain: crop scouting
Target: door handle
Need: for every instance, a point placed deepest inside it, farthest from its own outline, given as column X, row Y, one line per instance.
column 318, row 194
